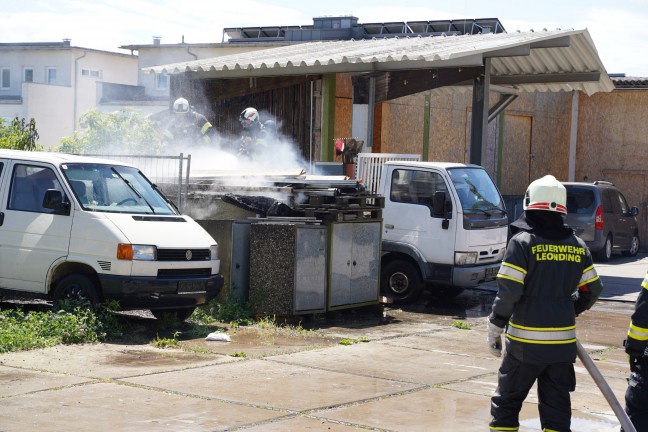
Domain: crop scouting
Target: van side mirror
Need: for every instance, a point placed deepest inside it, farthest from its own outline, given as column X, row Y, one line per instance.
column 53, row 200
column 440, row 205
column 634, row 211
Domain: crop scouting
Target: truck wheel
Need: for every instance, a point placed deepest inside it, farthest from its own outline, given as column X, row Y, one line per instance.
column 605, row 254
column 76, row 287
column 400, row 280
column 181, row 314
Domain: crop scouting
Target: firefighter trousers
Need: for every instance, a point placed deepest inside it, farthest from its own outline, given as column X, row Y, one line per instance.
column 636, row 397
column 515, row 379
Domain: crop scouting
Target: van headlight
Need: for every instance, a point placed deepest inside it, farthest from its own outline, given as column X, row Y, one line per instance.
column 213, row 252
column 136, row 252
column 465, row 258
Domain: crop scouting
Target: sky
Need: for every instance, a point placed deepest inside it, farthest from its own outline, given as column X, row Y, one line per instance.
column 617, row 28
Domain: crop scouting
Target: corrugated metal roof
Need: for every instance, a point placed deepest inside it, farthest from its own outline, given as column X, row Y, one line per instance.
column 630, row 82
column 530, row 61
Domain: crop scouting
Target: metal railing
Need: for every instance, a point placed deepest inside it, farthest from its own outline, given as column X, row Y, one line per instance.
column 369, row 167
column 170, row 173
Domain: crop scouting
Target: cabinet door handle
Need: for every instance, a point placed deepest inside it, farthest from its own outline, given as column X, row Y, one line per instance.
column 1, row 218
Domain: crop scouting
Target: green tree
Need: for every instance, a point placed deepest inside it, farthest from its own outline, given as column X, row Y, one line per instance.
column 19, row 135
column 124, row 131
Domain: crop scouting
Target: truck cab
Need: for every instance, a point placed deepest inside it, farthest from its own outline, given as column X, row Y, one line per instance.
column 444, row 228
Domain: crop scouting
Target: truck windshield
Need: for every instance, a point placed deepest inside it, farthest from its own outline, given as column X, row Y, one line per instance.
column 476, row 191
column 115, row 189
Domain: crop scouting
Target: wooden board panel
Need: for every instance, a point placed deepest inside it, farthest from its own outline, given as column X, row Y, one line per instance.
column 515, row 150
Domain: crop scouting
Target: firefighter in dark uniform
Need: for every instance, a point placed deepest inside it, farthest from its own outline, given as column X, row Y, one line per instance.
column 546, row 279
column 186, row 125
column 636, row 397
column 253, row 137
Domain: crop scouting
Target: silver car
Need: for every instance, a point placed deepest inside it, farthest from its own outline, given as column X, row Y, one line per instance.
column 600, row 215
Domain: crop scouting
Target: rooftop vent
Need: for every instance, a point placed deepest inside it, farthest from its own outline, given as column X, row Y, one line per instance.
column 156, row 40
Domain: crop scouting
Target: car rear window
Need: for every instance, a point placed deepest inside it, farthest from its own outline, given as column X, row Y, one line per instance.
column 580, row 200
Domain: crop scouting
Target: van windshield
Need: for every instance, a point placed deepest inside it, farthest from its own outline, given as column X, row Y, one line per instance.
column 115, row 189
column 476, row 190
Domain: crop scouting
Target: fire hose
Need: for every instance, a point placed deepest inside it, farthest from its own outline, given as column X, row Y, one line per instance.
column 620, row 413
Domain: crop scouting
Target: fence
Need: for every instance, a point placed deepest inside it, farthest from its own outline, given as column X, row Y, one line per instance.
column 369, row 167
column 169, row 173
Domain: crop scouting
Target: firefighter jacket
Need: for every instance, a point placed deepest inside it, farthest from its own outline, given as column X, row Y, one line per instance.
column 190, row 127
column 538, row 283
column 638, row 332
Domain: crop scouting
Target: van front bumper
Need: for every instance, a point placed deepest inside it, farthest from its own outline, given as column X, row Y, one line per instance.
column 134, row 292
column 467, row 277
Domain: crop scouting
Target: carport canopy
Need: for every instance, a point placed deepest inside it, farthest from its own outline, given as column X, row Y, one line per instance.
column 547, row 60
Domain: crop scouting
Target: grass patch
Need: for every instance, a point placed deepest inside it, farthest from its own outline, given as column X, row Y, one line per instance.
column 72, row 324
column 235, row 313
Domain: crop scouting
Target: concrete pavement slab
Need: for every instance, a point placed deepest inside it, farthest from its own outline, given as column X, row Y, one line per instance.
column 17, row 381
column 405, row 364
column 109, row 360
column 426, row 410
column 108, row 406
column 274, row 385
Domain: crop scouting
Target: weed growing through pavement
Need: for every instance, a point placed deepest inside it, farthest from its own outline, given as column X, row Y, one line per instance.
column 347, row 341
column 461, row 325
column 166, row 342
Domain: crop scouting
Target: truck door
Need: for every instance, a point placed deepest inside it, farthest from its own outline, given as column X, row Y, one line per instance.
column 32, row 238
column 408, row 215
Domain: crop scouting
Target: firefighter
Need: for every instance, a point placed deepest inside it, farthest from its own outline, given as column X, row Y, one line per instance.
column 546, row 279
column 252, row 138
column 636, row 397
column 186, row 125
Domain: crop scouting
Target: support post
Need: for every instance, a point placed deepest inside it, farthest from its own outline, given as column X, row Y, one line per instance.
column 479, row 123
column 328, row 117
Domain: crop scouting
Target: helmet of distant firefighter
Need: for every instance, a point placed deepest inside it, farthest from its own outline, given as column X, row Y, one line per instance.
column 181, row 106
column 547, row 194
column 249, row 117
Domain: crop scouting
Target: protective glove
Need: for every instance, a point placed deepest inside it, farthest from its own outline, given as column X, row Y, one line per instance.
column 635, row 361
column 495, row 339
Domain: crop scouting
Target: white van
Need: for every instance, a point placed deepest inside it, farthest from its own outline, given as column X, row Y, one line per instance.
column 95, row 229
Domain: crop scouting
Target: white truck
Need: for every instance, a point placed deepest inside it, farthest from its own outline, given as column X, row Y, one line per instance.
column 94, row 229
column 445, row 228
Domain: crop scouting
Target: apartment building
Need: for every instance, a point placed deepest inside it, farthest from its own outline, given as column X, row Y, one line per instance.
column 56, row 82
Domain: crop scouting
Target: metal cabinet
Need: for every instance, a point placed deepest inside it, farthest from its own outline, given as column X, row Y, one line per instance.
column 287, row 268
column 354, row 263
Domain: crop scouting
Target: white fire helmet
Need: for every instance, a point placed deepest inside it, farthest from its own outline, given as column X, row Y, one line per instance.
column 181, row 106
column 249, row 117
column 546, row 193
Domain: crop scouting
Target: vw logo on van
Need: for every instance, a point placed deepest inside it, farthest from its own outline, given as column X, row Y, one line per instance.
column 188, row 255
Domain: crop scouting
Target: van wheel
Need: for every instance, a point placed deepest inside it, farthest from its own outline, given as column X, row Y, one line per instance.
column 401, row 281
column 634, row 247
column 605, row 254
column 76, row 287
column 180, row 314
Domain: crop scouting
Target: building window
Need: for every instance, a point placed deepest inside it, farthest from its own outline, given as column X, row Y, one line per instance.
column 92, row 73
column 28, row 75
column 51, row 75
column 162, row 81
column 5, row 78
